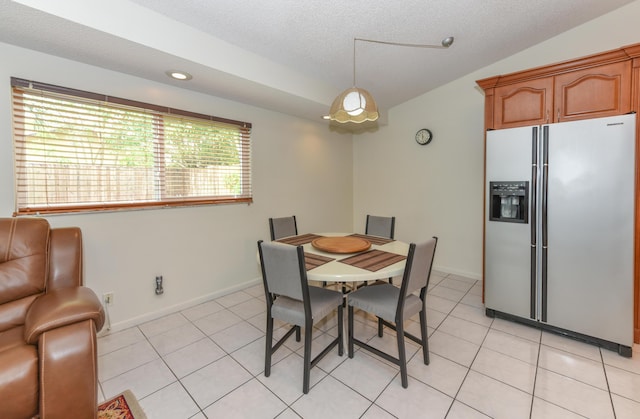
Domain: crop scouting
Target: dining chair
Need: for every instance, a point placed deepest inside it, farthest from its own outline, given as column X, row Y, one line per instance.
column 381, row 227
column 292, row 300
column 283, row 227
column 393, row 306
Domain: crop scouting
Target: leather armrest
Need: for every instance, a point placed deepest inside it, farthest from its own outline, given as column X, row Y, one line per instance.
column 62, row 307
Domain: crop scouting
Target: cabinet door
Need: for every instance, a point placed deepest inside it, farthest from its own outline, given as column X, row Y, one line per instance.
column 592, row 93
column 524, row 103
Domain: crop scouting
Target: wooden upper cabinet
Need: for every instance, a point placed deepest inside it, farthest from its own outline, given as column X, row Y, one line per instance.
column 595, row 92
column 525, row 103
column 589, row 87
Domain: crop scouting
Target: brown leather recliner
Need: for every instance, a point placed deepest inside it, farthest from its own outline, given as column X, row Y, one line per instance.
column 48, row 323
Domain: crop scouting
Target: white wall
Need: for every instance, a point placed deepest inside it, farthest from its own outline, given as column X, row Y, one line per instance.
column 299, row 167
column 438, row 189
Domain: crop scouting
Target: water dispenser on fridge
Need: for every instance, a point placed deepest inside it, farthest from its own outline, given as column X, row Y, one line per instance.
column 509, row 202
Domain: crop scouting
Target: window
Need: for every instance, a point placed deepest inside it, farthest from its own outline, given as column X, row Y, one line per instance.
column 81, row 151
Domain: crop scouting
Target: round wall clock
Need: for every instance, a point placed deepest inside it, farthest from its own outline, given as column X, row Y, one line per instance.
column 424, row 136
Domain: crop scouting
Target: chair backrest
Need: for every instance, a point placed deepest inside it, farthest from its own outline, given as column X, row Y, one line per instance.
column 380, row 226
column 283, row 270
column 418, row 269
column 24, row 256
column 283, row 227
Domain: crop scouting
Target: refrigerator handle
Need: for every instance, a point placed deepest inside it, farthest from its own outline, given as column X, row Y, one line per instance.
column 534, row 208
column 545, row 193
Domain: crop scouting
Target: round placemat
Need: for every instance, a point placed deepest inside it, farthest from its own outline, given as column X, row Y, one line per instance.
column 341, row 244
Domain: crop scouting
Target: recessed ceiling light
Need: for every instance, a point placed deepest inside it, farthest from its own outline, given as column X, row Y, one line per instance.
column 179, row 75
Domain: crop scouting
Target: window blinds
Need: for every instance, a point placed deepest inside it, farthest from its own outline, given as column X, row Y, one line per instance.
column 80, row 151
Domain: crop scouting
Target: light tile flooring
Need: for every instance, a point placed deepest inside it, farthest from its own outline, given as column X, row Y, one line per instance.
column 208, row 362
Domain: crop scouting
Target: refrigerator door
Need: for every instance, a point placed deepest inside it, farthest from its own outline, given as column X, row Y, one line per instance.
column 508, row 244
column 589, row 226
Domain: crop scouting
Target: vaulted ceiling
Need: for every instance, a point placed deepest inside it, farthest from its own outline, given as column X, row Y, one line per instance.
column 292, row 56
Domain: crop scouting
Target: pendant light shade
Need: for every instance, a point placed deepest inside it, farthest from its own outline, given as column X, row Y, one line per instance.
column 354, row 105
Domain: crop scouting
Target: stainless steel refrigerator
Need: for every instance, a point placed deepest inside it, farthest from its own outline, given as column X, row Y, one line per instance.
column 559, row 228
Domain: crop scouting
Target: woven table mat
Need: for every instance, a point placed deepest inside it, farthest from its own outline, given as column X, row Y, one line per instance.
column 299, row 240
column 373, row 260
column 373, row 239
column 313, row 261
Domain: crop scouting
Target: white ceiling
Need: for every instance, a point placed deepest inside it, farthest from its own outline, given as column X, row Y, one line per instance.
column 292, row 56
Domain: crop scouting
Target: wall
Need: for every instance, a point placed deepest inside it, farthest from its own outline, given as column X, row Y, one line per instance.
column 299, row 167
column 438, row 189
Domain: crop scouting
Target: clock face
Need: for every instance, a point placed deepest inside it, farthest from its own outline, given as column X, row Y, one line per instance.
column 424, row 136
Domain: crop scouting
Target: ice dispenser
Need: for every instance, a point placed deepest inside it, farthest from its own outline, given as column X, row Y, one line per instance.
column 509, row 201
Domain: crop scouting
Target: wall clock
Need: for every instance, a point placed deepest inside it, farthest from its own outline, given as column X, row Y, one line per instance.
column 424, row 136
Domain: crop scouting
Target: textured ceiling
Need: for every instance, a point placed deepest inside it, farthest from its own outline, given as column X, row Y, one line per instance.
column 289, row 55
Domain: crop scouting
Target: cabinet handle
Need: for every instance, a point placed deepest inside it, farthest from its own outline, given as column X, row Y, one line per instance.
column 558, row 120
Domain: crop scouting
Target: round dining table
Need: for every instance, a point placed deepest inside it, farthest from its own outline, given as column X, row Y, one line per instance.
column 333, row 270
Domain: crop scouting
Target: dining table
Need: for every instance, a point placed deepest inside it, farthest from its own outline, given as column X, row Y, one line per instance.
column 350, row 257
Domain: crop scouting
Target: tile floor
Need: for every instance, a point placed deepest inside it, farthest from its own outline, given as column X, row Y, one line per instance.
column 207, row 362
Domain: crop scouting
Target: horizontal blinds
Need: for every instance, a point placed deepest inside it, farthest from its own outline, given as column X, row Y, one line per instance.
column 90, row 152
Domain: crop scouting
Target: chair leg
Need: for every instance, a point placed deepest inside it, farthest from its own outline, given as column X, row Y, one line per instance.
column 425, row 337
column 268, row 350
column 350, row 329
column 307, row 358
column 340, row 332
column 402, row 356
column 297, row 333
column 380, row 327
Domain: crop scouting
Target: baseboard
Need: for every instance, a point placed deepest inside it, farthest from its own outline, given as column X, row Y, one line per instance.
column 135, row 321
column 466, row 274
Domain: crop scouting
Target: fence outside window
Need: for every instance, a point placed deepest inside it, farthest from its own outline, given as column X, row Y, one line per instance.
column 81, row 151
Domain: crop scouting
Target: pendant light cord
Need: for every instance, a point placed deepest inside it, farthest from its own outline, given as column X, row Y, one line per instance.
column 446, row 43
column 354, row 61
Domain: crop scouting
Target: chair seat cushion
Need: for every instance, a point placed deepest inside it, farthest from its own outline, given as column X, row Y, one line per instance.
column 382, row 300
column 323, row 301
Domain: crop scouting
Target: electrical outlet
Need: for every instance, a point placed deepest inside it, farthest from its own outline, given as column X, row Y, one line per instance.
column 159, row 289
column 108, row 298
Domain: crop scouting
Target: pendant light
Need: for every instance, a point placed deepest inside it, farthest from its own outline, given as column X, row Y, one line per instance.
column 356, row 104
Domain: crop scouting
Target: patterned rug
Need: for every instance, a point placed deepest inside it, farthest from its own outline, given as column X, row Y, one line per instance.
column 123, row 406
